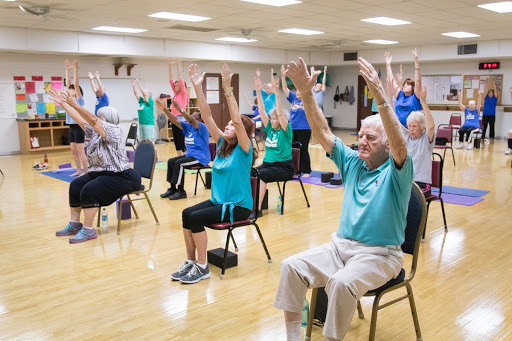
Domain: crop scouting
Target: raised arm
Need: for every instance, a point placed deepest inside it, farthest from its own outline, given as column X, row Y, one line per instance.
column 479, row 102
column 392, row 125
column 135, row 91
column 279, row 107
column 76, row 66
column 261, row 106
column 57, row 98
column 186, row 115
column 67, row 66
column 431, row 126
column 247, row 101
column 241, row 133
column 145, row 97
column 283, row 82
column 324, row 80
column 461, row 106
column 170, row 61
column 206, row 112
column 417, row 73
column 91, row 77
column 399, row 78
column 160, row 103
column 100, row 86
column 304, row 82
column 180, row 71
column 389, row 72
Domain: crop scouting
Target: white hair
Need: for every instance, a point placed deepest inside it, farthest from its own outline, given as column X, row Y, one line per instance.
column 147, row 92
column 472, row 101
column 419, row 117
column 110, row 113
column 273, row 111
column 375, row 121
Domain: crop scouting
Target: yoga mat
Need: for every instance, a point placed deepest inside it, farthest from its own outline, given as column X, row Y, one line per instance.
column 59, row 176
column 64, row 170
column 460, row 199
column 461, row 191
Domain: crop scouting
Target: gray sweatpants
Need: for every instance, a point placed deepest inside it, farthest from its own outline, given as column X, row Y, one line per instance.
column 348, row 269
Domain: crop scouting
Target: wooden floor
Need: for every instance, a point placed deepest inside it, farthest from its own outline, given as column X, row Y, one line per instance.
column 118, row 287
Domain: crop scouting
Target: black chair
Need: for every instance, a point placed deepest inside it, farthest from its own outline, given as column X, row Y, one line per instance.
column 296, row 176
column 437, row 181
column 213, row 150
column 132, row 139
column 144, row 164
column 255, row 187
column 416, row 221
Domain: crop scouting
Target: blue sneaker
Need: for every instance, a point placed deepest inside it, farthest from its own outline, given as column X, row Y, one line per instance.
column 83, row 235
column 68, row 230
column 182, row 271
column 195, row 274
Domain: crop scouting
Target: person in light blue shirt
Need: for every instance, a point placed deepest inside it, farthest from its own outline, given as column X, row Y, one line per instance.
column 365, row 252
column 471, row 121
column 231, row 194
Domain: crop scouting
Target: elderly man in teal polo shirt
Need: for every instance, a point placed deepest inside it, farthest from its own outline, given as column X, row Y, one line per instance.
column 365, row 252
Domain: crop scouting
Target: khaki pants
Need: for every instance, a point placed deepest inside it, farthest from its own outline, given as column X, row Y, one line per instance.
column 346, row 268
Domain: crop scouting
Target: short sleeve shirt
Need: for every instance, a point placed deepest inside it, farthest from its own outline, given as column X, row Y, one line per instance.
column 197, row 142
column 421, row 154
column 101, row 102
column 319, row 97
column 145, row 111
column 490, row 105
column 298, row 118
column 278, row 146
column 471, row 118
column 404, row 105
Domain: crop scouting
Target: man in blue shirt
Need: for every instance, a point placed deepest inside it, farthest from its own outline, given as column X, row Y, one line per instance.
column 101, row 97
column 471, row 121
column 365, row 252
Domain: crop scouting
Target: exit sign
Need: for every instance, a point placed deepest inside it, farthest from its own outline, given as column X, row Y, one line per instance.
column 489, row 66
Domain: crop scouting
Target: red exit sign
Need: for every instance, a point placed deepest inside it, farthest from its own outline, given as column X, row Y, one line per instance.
column 489, row 66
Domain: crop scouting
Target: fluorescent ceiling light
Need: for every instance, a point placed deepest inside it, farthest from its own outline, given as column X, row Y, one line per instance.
column 237, row 40
column 460, row 34
column 119, row 29
column 500, row 7
column 178, row 16
column 380, row 41
column 386, row 21
column 300, row 31
column 10, row 0
column 277, row 3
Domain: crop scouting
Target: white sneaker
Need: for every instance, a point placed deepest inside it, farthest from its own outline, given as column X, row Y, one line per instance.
column 508, row 152
column 470, row 146
column 460, row 146
column 486, row 142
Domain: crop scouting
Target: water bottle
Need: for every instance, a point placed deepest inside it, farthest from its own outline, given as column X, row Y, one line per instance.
column 305, row 313
column 45, row 158
column 104, row 220
column 279, row 205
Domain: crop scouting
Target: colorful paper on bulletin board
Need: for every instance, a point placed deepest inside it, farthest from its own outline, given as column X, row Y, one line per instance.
column 37, row 78
column 30, row 87
column 475, row 84
column 41, row 108
column 31, row 109
column 467, row 84
column 33, row 98
column 21, row 108
column 57, row 86
column 46, row 98
column 21, row 97
column 47, row 86
column 18, row 78
column 56, row 79
column 20, row 87
column 50, row 108
column 471, row 77
column 39, row 87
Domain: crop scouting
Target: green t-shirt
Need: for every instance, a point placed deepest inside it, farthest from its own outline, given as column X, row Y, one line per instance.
column 145, row 112
column 278, row 146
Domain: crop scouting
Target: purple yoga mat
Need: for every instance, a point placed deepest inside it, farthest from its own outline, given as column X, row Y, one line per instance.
column 64, row 170
column 460, row 199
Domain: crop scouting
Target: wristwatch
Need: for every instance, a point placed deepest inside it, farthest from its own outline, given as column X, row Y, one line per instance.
column 383, row 105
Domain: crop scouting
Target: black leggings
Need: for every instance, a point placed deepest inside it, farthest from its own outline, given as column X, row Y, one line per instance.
column 179, row 138
column 95, row 189
column 205, row 213
column 467, row 131
column 303, row 136
column 491, row 119
column 176, row 168
column 275, row 171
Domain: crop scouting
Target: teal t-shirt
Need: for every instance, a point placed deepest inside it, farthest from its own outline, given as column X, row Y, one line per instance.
column 375, row 203
column 231, row 179
column 278, row 146
column 145, row 112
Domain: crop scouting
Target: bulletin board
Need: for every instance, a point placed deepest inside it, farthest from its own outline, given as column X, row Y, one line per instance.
column 32, row 97
column 472, row 83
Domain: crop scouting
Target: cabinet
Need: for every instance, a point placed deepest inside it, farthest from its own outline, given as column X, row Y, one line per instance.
column 49, row 132
column 192, row 106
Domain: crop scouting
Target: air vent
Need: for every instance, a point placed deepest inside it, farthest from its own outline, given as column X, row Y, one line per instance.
column 350, row 56
column 467, row 49
column 191, row 28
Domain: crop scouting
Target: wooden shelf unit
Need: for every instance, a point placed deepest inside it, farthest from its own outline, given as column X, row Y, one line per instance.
column 191, row 108
column 49, row 132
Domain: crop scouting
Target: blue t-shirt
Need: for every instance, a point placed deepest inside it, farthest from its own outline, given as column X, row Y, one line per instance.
column 471, row 118
column 197, row 142
column 298, row 118
column 231, row 179
column 101, row 102
column 268, row 100
column 375, row 203
column 256, row 113
column 319, row 97
column 490, row 105
column 81, row 102
column 404, row 105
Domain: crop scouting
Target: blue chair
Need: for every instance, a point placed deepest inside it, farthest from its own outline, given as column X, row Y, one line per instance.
column 416, row 221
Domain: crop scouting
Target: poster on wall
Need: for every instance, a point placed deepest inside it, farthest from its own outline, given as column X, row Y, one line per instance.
column 20, row 87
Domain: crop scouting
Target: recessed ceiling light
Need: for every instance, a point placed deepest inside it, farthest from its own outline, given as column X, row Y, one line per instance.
column 300, row 31
column 237, row 39
column 119, row 29
column 178, row 16
column 10, row 0
column 386, row 21
column 460, row 34
column 381, row 41
column 278, row 3
column 500, row 7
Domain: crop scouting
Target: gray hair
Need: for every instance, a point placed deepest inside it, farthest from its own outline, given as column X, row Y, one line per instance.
column 419, row 117
column 472, row 101
column 110, row 113
column 147, row 92
column 273, row 111
column 375, row 121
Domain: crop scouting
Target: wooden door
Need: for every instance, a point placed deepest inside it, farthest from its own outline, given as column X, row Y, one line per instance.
column 212, row 88
column 363, row 110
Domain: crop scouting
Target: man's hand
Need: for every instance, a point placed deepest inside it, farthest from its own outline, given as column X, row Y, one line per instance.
column 193, row 72
column 91, row 76
column 300, row 77
column 387, row 58
column 372, row 80
column 226, row 78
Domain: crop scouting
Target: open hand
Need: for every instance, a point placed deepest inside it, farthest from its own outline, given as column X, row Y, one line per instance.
column 415, row 53
column 97, row 74
column 133, row 82
column 160, row 104
column 55, row 96
column 300, row 77
column 68, row 99
column 372, row 80
column 226, row 78
column 275, row 84
column 68, row 64
column 75, row 64
column 257, row 81
column 387, row 57
column 195, row 77
column 91, row 76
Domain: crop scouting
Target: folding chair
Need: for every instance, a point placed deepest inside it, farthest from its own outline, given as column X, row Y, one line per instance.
column 132, row 139
column 145, row 161
column 255, row 187
column 213, row 150
column 445, row 131
column 455, row 122
column 437, row 181
column 416, row 221
column 296, row 176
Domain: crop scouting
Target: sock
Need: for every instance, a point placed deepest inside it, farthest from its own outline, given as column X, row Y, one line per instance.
column 190, row 261
column 75, row 224
column 173, row 187
column 181, row 188
column 292, row 330
column 89, row 229
column 510, row 143
column 203, row 266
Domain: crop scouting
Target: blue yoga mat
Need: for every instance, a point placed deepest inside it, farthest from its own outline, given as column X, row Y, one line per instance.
column 460, row 199
column 59, row 176
column 461, row 191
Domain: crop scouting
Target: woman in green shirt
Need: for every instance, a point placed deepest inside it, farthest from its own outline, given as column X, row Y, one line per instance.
column 277, row 163
column 231, row 184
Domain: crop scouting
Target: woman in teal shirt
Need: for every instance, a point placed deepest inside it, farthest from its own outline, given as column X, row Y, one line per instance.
column 231, row 184
column 277, row 163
